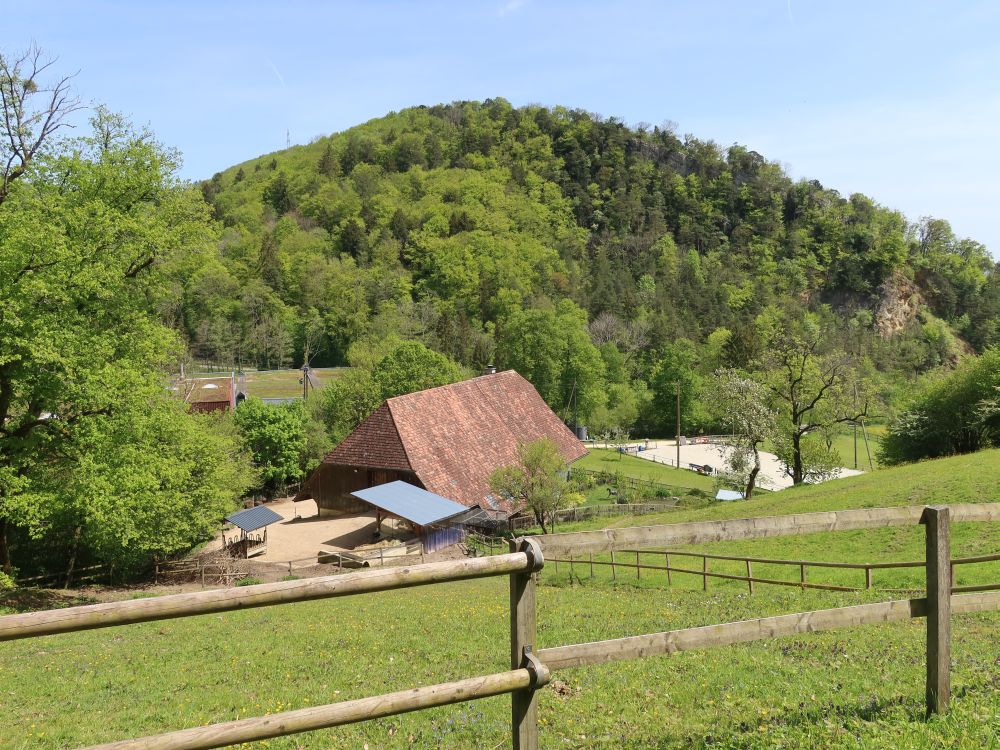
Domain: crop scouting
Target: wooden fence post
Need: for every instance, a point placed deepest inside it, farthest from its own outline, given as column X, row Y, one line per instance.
column 868, row 577
column 666, row 559
column 524, row 703
column 749, row 577
column 637, row 568
column 614, row 568
column 591, row 564
column 936, row 518
column 704, row 570
column 802, row 576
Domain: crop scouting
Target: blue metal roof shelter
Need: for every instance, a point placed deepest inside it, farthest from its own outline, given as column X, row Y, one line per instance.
column 411, row 503
column 252, row 519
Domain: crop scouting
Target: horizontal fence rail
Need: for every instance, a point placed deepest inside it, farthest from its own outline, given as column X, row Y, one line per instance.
column 750, row 579
column 709, row 636
column 92, row 616
column 699, row 532
column 334, row 714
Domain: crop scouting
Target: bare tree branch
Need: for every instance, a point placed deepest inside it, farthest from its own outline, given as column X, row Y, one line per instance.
column 30, row 112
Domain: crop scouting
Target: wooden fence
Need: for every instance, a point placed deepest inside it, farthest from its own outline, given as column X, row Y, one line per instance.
column 88, row 574
column 225, row 570
column 586, row 512
column 631, row 484
column 531, row 667
column 803, row 565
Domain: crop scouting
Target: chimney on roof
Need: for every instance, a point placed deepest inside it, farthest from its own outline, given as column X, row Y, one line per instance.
column 490, row 370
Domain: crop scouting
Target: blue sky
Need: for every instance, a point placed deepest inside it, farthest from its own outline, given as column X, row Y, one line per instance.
column 899, row 100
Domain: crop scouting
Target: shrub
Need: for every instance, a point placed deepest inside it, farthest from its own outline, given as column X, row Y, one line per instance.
column 249, row 581
column 7, row 582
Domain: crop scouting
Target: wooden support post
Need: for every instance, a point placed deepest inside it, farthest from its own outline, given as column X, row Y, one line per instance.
column 666, row 559
column 571, row 569
column 614, row 568
column 936, row 518
column 524, row 703
column 868, row 577
column 289, row 567
column 591, row 564
column 637, row 568
column 749, row 577
column 201, row 566
column 802, row 576
column 704, row 570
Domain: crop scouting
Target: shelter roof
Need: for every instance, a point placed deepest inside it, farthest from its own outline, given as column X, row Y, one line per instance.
column 252, row 519
column 410, row 503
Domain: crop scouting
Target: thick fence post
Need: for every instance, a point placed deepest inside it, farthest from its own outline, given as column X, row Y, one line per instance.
column 704, row 571
column 749, row 576
column 524, row 703
column 936, row 518
column 666, row 560
column 614, row 575
column 868, row 577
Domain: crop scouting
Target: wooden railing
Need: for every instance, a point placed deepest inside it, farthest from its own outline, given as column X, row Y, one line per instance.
column 90, row 573
column 803, row 565
column 531, row 668
column 224, row 570
column 586, row 512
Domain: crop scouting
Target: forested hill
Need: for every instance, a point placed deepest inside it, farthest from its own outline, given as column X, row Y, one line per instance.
column 459, row 224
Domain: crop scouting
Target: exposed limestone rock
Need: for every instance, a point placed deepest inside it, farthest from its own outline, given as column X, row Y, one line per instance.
column 899, row 303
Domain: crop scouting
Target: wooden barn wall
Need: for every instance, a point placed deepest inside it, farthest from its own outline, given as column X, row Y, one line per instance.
column 331, row 485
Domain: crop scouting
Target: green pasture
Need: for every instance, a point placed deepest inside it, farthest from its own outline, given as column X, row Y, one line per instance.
column 854, row 688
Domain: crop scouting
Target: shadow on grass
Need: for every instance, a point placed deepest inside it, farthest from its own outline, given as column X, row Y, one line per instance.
column 753, row 732
column 31, row 600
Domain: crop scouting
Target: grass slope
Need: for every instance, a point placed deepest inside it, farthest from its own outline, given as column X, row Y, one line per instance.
column 860, row 688
column 600, row 459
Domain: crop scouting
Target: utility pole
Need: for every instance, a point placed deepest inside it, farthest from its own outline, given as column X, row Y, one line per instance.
column 677, row 390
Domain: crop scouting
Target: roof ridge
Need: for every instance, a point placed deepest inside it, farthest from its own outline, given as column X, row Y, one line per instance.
column 399, row 435
column 471, row 380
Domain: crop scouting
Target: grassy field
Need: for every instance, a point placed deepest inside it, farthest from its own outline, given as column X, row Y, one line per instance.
column 599, row 459
column 284, row 383
column 275, row 383
column 860, row 688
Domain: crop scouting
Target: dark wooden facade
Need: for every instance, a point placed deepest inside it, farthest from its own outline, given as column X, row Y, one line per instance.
column 331, row 484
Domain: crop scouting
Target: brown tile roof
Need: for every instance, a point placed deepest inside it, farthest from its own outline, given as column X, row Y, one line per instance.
column 453, row 437
column 207, row 390
column 374, row 443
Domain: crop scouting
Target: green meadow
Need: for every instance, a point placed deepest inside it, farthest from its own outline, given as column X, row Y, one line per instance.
column 855, row 688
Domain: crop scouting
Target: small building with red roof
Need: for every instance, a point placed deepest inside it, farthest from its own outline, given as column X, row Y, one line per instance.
column 447, row 440
column 209, row 394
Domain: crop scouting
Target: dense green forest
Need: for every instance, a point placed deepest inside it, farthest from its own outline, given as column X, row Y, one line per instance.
column 604, row 262
column 614, row 267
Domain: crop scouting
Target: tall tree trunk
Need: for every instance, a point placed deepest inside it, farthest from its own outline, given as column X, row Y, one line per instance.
column 540, row 517
column 4, row 550
column 752, row 479
column 72, row 557
column 798, row 475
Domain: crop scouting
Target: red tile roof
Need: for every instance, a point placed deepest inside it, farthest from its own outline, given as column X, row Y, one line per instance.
column 205, row 394
column 375, row 443
column 453, row 437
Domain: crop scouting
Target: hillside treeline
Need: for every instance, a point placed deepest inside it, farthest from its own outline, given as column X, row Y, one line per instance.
column 579, row 250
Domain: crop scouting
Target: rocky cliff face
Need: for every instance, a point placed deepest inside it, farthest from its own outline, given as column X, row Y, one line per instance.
column 899, row 303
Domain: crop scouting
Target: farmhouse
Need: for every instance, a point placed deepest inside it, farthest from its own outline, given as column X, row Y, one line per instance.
column 208, row 394
column 446, row 440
